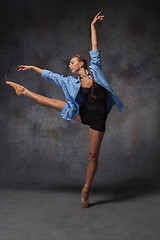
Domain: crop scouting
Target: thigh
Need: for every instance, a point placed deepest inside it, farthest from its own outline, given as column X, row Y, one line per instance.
column 78, row 118
column 58, row 104
column 96, row 138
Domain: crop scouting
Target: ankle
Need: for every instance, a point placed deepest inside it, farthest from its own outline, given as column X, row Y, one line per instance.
column 25, row 91
column 86, row 187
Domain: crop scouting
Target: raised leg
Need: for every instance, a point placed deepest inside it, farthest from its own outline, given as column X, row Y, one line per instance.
column 49, row 102
column 44, row 101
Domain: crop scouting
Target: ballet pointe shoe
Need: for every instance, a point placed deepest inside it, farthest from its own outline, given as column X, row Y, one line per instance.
column 18, row 88
column 85, row 198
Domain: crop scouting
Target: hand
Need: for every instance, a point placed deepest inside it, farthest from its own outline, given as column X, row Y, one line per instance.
column 24, row 67
column 97, row 18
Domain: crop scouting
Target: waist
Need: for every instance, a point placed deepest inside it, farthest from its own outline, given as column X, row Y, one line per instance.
column 96, row 106
column 92, row 111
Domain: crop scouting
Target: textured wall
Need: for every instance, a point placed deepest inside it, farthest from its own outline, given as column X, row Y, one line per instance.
column 37, row 145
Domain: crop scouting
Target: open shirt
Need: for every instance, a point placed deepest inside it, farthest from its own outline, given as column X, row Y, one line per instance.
column 71, row 85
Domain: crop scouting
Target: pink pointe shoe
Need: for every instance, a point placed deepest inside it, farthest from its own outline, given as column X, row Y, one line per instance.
column 18, row 88
column 85, row 198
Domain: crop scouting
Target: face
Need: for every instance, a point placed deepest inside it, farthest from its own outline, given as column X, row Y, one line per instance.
column 75, row 65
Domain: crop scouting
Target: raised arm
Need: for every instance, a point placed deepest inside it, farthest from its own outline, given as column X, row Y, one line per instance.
column 94, row 41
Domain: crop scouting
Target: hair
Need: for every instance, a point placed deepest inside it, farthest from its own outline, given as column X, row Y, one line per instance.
column 85, row 65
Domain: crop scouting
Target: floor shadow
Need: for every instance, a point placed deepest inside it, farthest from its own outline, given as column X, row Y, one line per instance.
column 128, row 190
column 116, row 192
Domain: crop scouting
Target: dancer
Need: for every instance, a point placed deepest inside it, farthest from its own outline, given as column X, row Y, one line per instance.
column 89, row 100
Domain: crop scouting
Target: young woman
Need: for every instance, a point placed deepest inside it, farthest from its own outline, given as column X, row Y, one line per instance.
column 89, row 99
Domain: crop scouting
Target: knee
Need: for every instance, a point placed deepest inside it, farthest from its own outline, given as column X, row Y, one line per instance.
column 93, row 158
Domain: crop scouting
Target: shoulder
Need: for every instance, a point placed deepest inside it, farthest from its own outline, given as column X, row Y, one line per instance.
column 72, row 79
column 71, row 82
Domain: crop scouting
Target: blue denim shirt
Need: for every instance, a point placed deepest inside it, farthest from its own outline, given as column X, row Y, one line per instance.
column 71, row 85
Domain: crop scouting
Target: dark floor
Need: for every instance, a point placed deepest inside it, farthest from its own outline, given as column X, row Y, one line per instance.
column 128, row 211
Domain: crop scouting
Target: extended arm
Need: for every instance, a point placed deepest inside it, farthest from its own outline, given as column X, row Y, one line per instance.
column 25, row 67
column 54, row 78
column 93, row 31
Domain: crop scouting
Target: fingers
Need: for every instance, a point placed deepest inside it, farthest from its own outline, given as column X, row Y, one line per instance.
column 23, row 68
column 21, row 65
column 98, row 17
column 98, row 14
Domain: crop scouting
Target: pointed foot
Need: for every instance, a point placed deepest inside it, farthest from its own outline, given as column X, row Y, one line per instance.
column 17, row 87
column 84, row 199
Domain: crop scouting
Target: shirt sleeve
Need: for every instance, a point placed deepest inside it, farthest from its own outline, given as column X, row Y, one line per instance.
column 53, row 78
column 95, row 58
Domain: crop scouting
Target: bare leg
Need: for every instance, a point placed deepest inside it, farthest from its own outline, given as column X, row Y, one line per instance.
column 96, row 138
column 49, row 102
column 44, row 101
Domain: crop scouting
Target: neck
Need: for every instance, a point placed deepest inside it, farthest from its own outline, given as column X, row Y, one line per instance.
column 82, row 73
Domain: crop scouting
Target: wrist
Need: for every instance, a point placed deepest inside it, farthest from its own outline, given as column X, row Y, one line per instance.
column 92, row 25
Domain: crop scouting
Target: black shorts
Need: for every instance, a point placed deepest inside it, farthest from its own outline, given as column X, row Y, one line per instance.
column 95, row 120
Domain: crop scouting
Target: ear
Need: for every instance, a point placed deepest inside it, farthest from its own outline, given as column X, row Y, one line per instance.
column 81, row 64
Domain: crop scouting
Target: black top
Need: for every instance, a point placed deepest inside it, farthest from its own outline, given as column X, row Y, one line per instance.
column 98, row 105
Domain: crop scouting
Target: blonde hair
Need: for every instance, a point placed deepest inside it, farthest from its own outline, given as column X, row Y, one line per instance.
column 85, row 65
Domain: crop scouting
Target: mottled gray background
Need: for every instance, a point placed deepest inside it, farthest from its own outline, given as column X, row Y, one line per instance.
column 37, row 145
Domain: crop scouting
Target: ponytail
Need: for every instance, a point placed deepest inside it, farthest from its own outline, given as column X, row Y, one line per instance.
column 93, row 85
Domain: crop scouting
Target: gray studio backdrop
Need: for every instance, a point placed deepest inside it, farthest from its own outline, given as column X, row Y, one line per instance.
column 37, row 145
